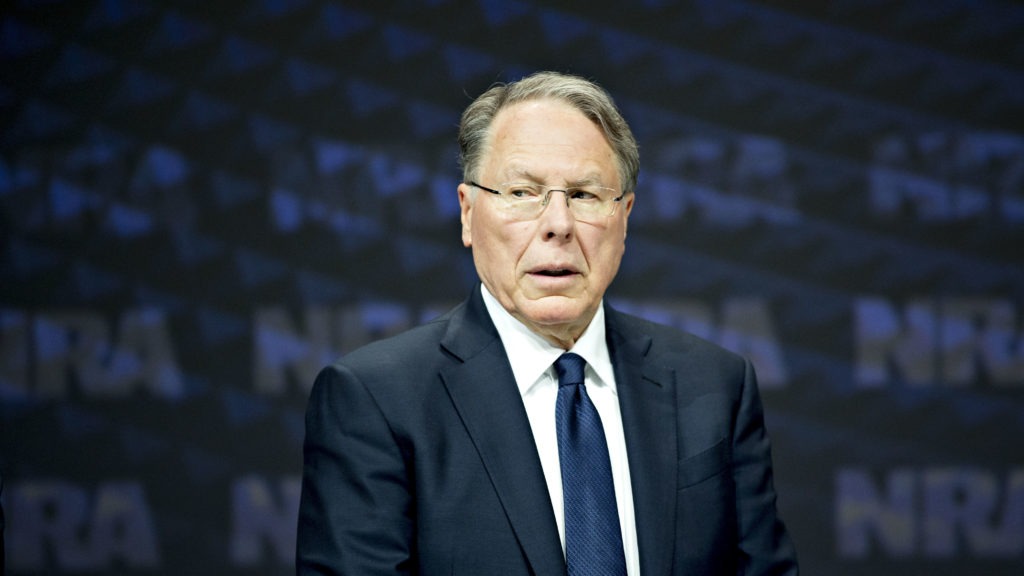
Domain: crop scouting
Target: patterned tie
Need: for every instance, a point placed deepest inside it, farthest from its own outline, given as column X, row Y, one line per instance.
column 593, row 540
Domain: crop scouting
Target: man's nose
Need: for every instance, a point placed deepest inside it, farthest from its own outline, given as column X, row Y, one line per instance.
column 551, row 199
column 557, row 216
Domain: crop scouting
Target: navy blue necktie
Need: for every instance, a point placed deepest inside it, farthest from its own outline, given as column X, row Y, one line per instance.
column 593, row 538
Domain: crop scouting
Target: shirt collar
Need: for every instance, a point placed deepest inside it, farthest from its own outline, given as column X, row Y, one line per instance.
column 531, row 355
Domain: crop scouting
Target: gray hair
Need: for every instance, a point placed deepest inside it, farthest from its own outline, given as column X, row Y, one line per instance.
column 582, row 94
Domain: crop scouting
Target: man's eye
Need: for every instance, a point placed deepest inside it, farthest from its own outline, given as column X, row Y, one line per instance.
column 585, row 195
column 522, row 192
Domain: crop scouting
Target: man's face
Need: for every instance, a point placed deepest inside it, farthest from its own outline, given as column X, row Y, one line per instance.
column 550, row 272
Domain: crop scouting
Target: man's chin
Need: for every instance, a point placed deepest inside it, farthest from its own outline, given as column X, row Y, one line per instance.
column 554, row 311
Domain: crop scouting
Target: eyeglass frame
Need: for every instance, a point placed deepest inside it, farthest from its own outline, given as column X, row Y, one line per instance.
column 547, row 197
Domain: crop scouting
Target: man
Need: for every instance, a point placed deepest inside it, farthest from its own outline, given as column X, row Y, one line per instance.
column 476, row 445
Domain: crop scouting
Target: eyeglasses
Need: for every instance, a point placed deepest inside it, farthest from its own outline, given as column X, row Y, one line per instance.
column 526, row 201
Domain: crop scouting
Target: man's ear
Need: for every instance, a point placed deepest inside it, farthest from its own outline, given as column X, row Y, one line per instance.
column 627, row 208
column 466, row 210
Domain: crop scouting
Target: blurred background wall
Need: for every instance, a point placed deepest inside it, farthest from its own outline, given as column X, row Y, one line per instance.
column 201, row 203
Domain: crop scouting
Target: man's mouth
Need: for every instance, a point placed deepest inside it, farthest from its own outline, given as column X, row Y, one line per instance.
column 556, row 273
column 555, row 270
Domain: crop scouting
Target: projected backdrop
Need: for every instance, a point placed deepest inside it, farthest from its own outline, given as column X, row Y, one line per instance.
column 202, row 203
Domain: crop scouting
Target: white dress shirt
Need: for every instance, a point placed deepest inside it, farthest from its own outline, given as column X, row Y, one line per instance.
column 532, row 358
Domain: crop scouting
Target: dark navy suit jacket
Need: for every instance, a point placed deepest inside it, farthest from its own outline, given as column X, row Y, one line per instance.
column 419, row 458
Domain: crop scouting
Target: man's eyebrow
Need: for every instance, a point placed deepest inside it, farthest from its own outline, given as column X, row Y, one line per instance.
column 588, row 180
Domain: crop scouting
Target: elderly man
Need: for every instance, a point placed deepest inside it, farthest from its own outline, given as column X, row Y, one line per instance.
column 533, row 429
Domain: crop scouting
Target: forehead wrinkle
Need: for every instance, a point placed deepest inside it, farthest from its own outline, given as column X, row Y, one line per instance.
column 521, row 173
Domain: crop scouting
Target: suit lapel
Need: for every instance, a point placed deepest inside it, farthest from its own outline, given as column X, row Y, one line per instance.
column 484, row 392
column 647, row 402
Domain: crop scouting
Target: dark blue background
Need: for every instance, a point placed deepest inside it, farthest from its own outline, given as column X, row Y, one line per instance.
column 202, row 202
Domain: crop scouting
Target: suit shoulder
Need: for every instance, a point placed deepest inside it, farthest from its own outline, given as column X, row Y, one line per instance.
column 704, row 365
column 669, row 340
column 416, row 347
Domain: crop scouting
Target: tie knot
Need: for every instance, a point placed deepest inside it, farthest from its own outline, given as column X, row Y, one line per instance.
column 569, row 368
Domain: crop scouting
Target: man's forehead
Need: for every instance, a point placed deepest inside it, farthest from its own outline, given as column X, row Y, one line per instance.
column 519, row 172
column 510, row 116
column 519, row 130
